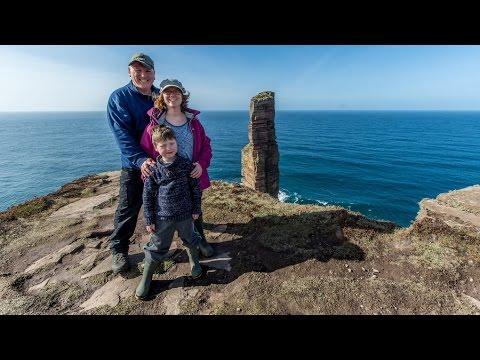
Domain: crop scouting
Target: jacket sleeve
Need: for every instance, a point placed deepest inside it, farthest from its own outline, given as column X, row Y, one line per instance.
column 196, row 194
column 123, row 127
column 150, row 190
column 205, row 155
column 146, row 141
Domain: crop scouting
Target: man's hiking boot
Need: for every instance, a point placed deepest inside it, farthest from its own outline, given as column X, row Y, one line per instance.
column 120, row 263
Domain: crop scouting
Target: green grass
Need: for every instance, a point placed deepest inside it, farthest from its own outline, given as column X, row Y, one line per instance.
column 27, row 209
column 264, row 95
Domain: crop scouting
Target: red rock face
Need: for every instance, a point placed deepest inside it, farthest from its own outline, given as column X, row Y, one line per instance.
column 455, row 212
column 260, row 156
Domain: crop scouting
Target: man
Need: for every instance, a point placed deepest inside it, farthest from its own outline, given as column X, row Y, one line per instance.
column 127, row 117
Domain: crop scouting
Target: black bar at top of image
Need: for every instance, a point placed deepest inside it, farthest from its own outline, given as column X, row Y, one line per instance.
column 241, row 24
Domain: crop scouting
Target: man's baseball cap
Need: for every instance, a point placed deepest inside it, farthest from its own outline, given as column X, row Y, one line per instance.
column 173, row 83
column 142, row 59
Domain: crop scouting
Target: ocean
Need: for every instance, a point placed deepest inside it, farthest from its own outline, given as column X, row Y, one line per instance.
column 379, row 163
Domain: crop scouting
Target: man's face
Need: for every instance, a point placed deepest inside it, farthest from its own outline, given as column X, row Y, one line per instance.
column 172, row 97
column 141, row 76
column 166, row 149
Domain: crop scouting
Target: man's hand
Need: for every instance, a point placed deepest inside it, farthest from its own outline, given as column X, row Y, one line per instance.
column 197, row 171
column 195, row 216
column 151, row 228
column 145, row 168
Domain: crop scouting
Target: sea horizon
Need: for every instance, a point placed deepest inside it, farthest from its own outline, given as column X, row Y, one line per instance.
column 351, row 158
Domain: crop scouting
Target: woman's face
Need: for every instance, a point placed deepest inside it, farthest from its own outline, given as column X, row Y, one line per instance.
column 172, row 97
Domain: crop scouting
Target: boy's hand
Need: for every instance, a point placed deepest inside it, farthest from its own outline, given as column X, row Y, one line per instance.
column 151, row 228
column 197, row 171
column 195, row 216
column 145, row 168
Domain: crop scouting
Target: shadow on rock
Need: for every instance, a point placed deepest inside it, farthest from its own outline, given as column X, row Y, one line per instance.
column 270, row 243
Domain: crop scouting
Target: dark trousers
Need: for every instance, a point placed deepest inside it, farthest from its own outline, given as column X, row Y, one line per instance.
column 161, row 239
column 198, row 227
column 129, row 204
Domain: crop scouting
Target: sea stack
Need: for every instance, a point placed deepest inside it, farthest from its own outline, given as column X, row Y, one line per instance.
column 260, row 156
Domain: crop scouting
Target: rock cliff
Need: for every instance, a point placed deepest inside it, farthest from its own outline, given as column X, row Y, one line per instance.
column 272, row 257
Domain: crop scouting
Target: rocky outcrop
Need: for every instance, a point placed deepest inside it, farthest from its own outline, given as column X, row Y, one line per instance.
column 457, row 212
column 271, row 257
column 260, row 156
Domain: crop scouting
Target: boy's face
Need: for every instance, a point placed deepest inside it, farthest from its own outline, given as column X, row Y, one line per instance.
column 167, row 149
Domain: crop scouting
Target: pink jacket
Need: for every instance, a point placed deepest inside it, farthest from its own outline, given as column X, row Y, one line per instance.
column 202, row 151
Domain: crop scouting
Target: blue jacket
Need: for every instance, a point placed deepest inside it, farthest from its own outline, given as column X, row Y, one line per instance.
column 170, row 193
column 127, row 116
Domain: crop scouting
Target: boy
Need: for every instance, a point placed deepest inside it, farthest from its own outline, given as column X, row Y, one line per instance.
column 171, row 201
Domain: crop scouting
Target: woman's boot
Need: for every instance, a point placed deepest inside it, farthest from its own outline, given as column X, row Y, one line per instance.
column 193, row 259
column 205, row 248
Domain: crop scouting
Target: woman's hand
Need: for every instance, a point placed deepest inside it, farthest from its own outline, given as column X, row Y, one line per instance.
column 151, row 228
column 145, row 168
column 197, row 171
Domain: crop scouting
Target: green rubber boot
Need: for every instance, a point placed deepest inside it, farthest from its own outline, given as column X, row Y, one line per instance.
column 193, row 258
column 144, row 286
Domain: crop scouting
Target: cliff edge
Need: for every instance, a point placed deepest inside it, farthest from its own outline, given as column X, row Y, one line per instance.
column 271, row 257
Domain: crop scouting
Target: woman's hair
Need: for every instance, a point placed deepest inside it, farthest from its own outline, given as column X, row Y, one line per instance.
column 159, row 103
column 162, row 133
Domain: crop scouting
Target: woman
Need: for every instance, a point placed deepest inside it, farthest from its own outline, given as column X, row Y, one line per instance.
column 170, row 109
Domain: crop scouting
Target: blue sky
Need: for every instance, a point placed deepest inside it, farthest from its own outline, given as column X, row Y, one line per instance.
column 377, row 77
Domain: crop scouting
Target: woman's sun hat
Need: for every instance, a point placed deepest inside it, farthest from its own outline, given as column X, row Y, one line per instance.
column 173, row 83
